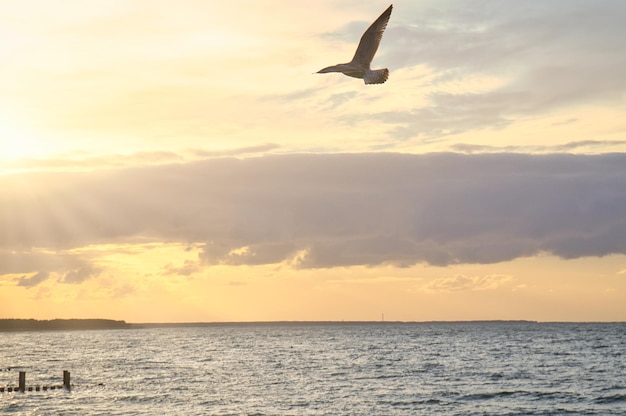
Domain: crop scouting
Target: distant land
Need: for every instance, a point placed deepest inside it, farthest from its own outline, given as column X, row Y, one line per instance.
column 60, row 324
column 7, row 325
column 91, row 324
column 287, row 323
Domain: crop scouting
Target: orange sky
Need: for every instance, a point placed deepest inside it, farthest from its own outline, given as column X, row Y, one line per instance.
column 181, row 161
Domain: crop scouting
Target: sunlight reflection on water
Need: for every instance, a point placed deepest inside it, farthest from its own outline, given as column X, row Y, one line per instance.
column 316, row 369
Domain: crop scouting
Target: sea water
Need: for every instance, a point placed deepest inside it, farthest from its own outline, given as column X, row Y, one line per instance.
column 498, row 368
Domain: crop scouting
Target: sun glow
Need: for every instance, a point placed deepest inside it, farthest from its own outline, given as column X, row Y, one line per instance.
column 15, row 142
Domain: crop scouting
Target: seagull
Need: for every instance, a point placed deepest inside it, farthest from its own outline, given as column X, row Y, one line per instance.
column 359, row 66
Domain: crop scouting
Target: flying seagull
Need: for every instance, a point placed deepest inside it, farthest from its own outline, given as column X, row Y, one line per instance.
column 359, row 66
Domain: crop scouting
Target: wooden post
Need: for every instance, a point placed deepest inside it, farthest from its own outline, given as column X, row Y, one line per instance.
column 66, row 379
column 22, row 382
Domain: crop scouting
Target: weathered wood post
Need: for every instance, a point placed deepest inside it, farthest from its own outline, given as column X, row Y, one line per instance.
column 66, row 379
column 22, row 381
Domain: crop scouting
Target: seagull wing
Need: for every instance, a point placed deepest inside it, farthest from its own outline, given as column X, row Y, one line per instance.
column 371, row 39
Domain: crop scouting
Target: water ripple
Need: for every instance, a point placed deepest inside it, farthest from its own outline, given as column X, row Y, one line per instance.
column 323, row 369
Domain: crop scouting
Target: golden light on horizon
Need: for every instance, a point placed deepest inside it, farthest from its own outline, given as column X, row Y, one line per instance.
column 135, row 134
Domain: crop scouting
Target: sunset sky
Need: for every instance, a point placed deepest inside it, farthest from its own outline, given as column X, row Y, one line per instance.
column 168, row 161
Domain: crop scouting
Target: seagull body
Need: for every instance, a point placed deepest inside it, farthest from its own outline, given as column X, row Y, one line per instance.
column 359, row 66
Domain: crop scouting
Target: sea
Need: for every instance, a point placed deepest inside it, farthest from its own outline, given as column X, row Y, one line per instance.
column 384, row 368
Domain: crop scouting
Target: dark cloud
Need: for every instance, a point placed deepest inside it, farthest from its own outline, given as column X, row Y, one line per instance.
column 326, row 210
column 77, row 276
column 33, row 280
column 72, row 268
column 20, row 259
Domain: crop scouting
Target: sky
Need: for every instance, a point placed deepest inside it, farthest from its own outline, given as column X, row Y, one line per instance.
column 182, row 161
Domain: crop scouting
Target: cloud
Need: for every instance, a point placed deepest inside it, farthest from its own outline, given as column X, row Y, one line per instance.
column 117, row 161
column 72, row 268
column 188, row 268
column 456, row 67
column 19, row 259
column 237, row 152
column 79, row 275
column 448, row 114
column 460, row 283
column 33, row 280
column 493, row 37
column 548, row 56
column 587, row 145
column 317, row 211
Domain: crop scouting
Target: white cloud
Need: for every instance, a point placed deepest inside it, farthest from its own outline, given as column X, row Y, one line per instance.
column 548, row 56
column 153, row 80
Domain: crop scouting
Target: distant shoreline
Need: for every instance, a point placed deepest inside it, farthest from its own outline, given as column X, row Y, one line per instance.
column 11, row 325
column 15, row 325
column 287, row 323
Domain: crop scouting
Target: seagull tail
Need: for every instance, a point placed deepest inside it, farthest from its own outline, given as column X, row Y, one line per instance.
column 376, row 76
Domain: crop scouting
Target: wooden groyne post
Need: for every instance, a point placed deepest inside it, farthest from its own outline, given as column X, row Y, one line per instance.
column 22, row 382
column 66, row 379
column 21, row 386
